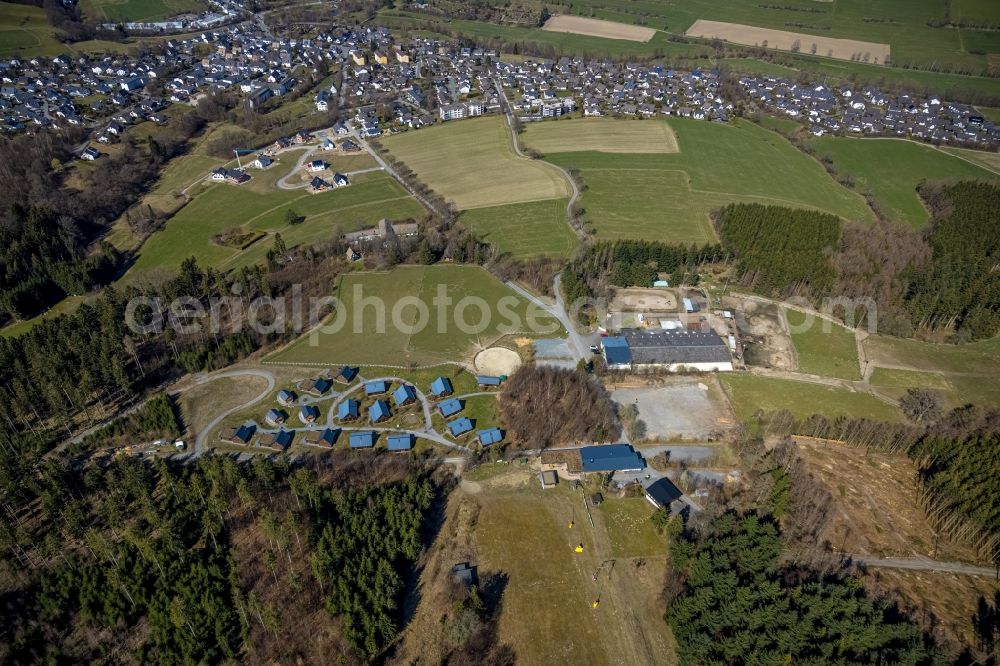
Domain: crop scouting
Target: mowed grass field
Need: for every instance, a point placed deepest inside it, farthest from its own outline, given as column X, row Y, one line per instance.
column 823, row 348
column 668, row 197
column 139, row 10
column 259, row 206
column 986, row 159
column 891, row 169
column 451, row 333
column 25, row 31
column 748, row 393
column 604, row 135
column 472, row 163
column 522, row 532
column 530, row 229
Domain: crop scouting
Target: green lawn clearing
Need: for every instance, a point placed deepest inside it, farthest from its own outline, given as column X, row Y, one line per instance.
column 139, row 10
column 823, row 348
column 891, row 169
column 977, row 358
column 748, row 393
column 222, row 206
column 524, row 229
column 605, row 135
column 630, row 530
column 669, row 197
column 472, row 163
column 451, row 332
column 989, row 160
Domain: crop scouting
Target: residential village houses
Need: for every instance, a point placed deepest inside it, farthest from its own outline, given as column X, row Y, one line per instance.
column 385, row 86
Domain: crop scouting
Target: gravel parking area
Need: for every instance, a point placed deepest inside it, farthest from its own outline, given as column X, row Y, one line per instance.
column 685, row 409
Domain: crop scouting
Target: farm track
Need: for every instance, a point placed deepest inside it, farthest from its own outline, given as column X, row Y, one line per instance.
column 570, row 219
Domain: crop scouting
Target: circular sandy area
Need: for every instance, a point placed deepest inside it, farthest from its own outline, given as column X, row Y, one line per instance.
column 497, row 361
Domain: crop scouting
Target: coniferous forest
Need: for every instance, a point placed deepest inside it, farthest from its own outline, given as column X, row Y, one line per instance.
column 943, row 277
column 732, row 601
column 136, row 562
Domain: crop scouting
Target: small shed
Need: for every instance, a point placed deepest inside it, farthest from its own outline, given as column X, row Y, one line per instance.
column 488, row 381
column 465, row 573
column 549, row 478
column 308, row 413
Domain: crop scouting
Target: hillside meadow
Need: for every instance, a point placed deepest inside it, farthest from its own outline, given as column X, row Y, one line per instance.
column 891, row 169
column 668, row 197
column 262, row 208
column 472, row 163
column 400, row 340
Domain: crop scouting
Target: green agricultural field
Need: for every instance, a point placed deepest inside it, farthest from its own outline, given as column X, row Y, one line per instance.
column 558, row 42
column 748, row 393
column 987, row 160
column 473, row 164
column 669, row 196
column 825, row 348
column 25, row 27
column 976, row 358
column 891, row 169
column 976, row 11
column 361, row 339
column 604, row 135
column 222, row 206
column 524, row 229
column 902, row 24
column 139, row 10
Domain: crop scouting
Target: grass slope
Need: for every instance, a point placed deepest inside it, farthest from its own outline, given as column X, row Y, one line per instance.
column 669, row 196
column 824, row 348
column 524, row 229
column 473, row 164
column 605, row 135
column 260, row 207
column 891, row 169
column 138, row 10
column 400, row 340
column 748, row 393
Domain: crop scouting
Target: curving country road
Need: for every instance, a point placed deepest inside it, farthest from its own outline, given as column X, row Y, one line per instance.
column 517, row 150
column 199, row 443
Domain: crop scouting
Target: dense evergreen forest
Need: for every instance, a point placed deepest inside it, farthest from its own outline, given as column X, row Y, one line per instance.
column 139, row 562
column 942, row 278
column 780, row 251
column 732, row 601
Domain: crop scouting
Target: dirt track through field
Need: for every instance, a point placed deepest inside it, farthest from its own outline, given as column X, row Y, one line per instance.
column 596, row 28
column 748, row 35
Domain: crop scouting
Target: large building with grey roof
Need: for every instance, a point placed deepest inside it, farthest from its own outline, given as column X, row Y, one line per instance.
column 671, row 350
